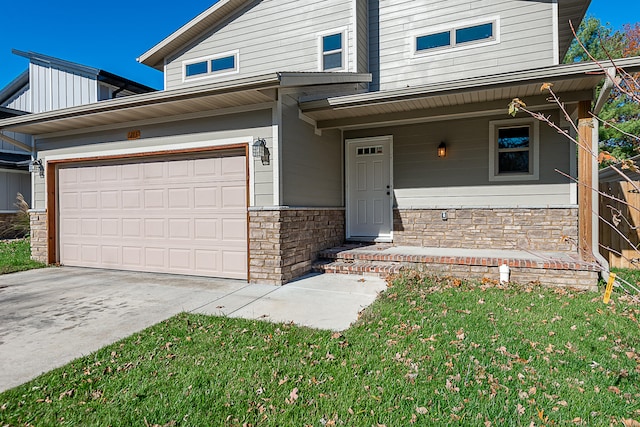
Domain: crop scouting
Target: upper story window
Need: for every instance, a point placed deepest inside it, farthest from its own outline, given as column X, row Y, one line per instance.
column 457, row 36
column 332, row 51
column 222, row 64
column 513, row 150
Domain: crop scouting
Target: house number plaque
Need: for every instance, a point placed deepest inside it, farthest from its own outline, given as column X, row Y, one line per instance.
column 133, row 134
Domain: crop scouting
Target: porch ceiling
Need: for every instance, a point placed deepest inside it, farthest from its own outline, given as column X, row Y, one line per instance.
column 574, row 82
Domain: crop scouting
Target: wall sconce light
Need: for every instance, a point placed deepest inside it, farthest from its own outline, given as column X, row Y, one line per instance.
column 442, row 149
column 260, row 150
column 36, row 166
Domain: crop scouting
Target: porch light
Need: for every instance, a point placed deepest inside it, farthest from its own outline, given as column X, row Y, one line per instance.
column 260, row 150
column 442, row 149
column 36, row 166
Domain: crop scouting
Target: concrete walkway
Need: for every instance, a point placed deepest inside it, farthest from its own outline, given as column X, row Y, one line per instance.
column 51, row 316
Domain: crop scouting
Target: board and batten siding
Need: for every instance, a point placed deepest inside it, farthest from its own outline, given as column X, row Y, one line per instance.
column 525, row 39
column 168, row 136
column 271, row 36
column 311, row 163
column 13, row 182
column 21, row 100
column 53, row 88
column 422, row 180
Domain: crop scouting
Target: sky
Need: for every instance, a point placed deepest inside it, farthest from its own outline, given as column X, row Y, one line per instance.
column 110, row 36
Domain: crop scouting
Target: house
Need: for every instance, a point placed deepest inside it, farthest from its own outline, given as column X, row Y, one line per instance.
column 287, row 128
column 47, row 84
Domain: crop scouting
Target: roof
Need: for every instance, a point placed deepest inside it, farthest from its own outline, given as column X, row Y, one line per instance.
column 218, row 95
column 608, row 174
column 568, row 10
column 446, row 98
column 10, row 112
column 14, row 86
column 101, row 75
column 221, row 10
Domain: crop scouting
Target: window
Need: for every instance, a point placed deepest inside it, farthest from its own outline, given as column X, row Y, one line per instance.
column 196, row 69
column 226, row 63
column 475, row 33
column 332, row 51
column 513, row 150
column 433, row 41
column 457, row 36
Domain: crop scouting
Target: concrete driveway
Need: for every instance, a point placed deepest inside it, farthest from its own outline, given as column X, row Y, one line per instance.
column 51, row 316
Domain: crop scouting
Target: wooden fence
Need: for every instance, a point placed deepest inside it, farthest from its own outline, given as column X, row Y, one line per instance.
column 621, row 249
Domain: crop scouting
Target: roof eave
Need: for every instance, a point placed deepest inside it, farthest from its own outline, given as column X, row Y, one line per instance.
column 154, row 57
column 559, row 72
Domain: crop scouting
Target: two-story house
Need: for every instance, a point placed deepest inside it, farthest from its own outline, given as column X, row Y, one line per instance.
column 286, row 128
column 47, row 84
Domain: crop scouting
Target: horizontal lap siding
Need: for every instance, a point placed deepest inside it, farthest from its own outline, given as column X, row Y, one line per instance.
column 273, row 35
column 311, row 164
column 165, row 136
column 461, row 179
column 526, row 40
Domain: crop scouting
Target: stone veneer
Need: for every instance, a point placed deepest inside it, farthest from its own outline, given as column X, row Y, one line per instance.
column 38, row 219
column 284, row 242
column 539, row 229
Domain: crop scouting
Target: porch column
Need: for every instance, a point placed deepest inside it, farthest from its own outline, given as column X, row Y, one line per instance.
column 585, row 181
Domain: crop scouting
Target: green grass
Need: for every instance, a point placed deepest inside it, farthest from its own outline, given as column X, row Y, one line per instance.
column 15, row 255
column 425, row 353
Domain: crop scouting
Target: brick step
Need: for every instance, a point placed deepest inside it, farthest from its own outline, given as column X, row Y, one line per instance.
column 354, row 254
column 381, row 269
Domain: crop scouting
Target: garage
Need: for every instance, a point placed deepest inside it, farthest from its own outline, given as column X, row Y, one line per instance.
column 180, row 214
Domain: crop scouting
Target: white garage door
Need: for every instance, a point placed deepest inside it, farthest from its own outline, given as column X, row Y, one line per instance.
column 183, row 216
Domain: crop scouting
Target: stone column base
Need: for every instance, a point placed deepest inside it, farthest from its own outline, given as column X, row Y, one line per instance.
column 39, row 245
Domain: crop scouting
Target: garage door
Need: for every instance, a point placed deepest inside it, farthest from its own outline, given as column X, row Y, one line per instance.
column 178, row 215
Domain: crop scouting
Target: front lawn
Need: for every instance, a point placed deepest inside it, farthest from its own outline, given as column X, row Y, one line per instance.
column 425, row 353
column 15, row 255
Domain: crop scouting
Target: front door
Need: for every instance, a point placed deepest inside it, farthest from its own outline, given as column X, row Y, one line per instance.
column 369, row 189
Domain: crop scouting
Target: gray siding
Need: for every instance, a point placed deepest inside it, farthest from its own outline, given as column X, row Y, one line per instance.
column 165, row 136
column 362, row 32
column 21, row 100
column 11, row 183
column 53, row 88
column 271, row 35
column 461, row 179
column 10, row 148
column 526, row 39
column 311, row 164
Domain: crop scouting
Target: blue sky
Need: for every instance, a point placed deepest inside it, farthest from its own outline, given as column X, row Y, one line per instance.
column 111, row 35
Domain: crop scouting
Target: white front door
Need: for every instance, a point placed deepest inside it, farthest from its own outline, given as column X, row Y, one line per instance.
column 369, row 189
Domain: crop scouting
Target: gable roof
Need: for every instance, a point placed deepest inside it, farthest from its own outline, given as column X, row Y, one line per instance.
column 154, row 57
column 568, row 10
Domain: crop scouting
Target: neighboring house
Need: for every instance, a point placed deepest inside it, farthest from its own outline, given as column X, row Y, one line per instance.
column 286, row 128
column 48, row 84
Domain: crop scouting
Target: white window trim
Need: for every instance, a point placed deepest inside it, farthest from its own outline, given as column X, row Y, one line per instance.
column 345, row 49
column 451, row 28
column 534, row 150
column 208, row 75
